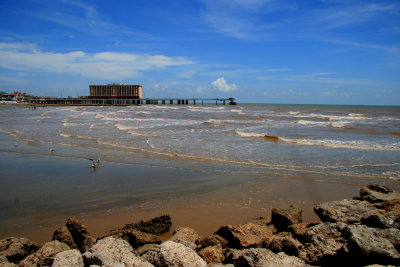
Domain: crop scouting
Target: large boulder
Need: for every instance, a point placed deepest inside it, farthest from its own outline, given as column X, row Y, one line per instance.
column 155, row 226
column 324, row 244
column 45, row 255
column 136, row 238
column 111, row 251
column 17, row 248
column 68, row 258
column 246, row 235
column 186, row 236
column 375, row 193
column 373, row 245
column 213, row 254
column 174, row 254
column 62, row 234
column 261, row 257
column 80, row 234
column 282, row 218
column 346, row 211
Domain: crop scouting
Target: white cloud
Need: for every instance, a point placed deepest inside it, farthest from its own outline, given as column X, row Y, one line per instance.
column 221, row 85
column 105, row 65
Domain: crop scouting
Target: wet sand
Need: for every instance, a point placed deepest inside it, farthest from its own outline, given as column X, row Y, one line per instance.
column 39, row 193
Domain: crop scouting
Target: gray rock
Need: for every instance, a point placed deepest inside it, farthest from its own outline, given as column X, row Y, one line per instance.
column 111, row 251
column 17, row 248
column 286, row 244
column 324, row 244
column 174, row 254
column 68, row 258
column 45, row 255
column 245, row 235
column 80, row 234
column 377, row 193
column 186, row 236
column 346, row 211
column 261, row 257
column 213, row 254
column 155, row 226
column 213, row 240
column 282, row 218
column 62, row 234
column 372, row 244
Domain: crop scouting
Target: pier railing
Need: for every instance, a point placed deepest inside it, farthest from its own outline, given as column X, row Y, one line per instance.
column 125, row 102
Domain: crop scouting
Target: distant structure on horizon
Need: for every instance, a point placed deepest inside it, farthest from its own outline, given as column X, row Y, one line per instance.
column 116, row 90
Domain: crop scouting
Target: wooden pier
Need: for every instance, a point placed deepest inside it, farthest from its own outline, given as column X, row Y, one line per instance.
column 84, row 101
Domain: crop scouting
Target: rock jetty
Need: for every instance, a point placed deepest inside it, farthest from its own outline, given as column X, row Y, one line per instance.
column 359, row 232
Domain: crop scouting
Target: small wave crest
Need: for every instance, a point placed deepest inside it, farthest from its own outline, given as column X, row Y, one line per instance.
column 341, row 144
column 257, row 135
column 320, row 123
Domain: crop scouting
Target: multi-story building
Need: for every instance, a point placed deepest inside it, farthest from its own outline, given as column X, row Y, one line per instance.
column 116, row 90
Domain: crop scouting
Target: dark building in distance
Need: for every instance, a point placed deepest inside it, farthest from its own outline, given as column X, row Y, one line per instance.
column 116, row 90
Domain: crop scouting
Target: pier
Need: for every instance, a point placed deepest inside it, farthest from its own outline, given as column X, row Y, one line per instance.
column 85, row 101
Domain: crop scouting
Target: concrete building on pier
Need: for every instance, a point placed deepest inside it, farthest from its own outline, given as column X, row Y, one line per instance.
column 116, row 90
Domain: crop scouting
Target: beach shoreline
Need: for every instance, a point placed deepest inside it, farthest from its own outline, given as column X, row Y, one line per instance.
column 201, row 200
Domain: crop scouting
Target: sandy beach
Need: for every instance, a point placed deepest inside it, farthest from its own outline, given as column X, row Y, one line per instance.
column 39, row 197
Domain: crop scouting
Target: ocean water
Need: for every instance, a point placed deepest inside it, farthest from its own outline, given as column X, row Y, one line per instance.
column 335, row 140
column 152, row 155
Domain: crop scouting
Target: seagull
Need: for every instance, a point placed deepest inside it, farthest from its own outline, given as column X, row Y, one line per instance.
column 52, row 150
column 94, row 164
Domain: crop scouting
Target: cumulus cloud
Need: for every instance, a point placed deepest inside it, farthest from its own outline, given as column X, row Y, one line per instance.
column 104, row 65
column 221, row 85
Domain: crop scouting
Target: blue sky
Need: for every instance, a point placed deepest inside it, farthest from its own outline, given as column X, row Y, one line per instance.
column 263, row 51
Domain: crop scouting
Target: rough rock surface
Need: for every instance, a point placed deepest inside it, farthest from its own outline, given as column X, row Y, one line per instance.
column 213, row 240
column 174, row 254
column 155, row 226
column 5, row 263
column 45, row 255
column 346, row 211
column 111, row 251
column 62, row 234
column 68, row 258
column 374, row 193
column 213, row 254
column 388, row 220
column 371, row 244
column 186, row 236
column 17, row 248
column 324, row 243
column 136, row 238
column 298, row 230
column 282, row 218
column 261, row 257
column 80, row 234
column 245, row 235
column 286, row 244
